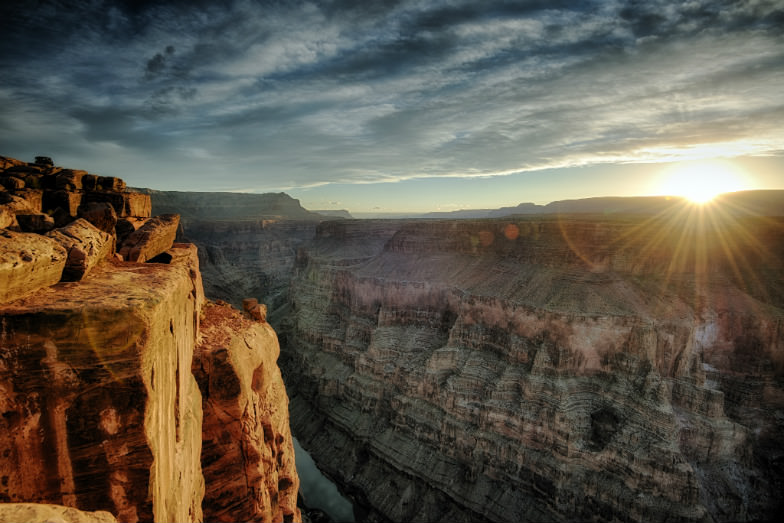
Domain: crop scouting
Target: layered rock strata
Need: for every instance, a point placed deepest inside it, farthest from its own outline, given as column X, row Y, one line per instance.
column 248, row 258
column 247, row 452
column 544, row 369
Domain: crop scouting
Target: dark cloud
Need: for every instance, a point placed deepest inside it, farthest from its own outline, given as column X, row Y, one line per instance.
column 355, row 91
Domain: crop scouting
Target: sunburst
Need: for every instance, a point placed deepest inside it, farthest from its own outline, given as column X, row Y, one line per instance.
column 701, row 181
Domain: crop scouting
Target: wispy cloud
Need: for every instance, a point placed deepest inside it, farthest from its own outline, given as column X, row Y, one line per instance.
column 299, row 94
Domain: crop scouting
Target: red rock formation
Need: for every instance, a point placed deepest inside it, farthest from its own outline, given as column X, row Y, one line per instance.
column 28, row 262
column 86, row 245
column 102, row 215
column 99, row 408
column 151, row 239
column 43, row 513
column 247, row 450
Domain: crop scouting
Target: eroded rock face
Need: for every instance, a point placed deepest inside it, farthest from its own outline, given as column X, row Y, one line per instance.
column 86, row 245
column 151, row 239
column 47, row 513
column 99, row 407
column 543, row 369
column 28, row 262
column 247, row 449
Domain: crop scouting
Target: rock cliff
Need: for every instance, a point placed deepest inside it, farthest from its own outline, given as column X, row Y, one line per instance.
column 98, row 411
column 248, row 452
column 544, row 368
column 101, row 408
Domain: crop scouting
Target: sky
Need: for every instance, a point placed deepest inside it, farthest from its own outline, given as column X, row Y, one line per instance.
column 415, row 105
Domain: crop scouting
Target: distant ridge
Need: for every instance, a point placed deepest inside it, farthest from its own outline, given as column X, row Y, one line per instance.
column 761, row 203
column 219, row 206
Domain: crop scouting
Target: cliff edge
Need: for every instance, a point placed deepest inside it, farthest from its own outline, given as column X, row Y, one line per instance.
column 100, row 407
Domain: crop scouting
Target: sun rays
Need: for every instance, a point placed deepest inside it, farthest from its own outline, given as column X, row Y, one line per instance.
column 701, row 181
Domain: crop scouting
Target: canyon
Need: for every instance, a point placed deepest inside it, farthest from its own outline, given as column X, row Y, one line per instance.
column 600, row 361
column 553, row 367
column 126, row 395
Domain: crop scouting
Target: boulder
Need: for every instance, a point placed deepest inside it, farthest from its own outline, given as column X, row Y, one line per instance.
column 23, row 169
column 89, row 182
column 126, row 225
column 249, row 303
column 151, row 239
column 47, row 513
column 102, row 215
column 259, row 312
column 15, row 204
column 12, row 183
column 110, row 183
column 6, row 162
column 33, row 197
column 86, row 245
column 35, row 222
column 34, row 180
column 28, row 262
column 7, row 217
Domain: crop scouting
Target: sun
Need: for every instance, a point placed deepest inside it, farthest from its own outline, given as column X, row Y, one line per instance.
column 701, row 181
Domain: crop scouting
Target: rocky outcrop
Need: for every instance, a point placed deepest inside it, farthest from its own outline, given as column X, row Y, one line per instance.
column 28, row 262
column 43, row 513
column 247, row 450
column 86, row 245
column 544, row 369
column 151, row 239
column 99, row 405
column 63, row 194
column 100, row 410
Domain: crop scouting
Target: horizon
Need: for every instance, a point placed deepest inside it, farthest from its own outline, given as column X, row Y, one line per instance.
column 405, row 107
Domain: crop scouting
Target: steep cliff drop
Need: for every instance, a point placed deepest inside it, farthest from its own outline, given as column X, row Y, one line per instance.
column 248, row 452
column 544, row 368
column 100, row 409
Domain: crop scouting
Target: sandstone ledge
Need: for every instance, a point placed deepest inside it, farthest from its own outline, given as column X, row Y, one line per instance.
column 46, row 513
column 99, row 408
column 28, row 262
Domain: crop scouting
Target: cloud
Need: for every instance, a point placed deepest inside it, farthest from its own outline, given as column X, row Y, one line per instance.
column 302, row 94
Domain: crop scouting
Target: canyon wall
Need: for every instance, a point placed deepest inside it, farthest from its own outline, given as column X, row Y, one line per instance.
column 543, row 368
column 248, row 257
column 102, row 414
